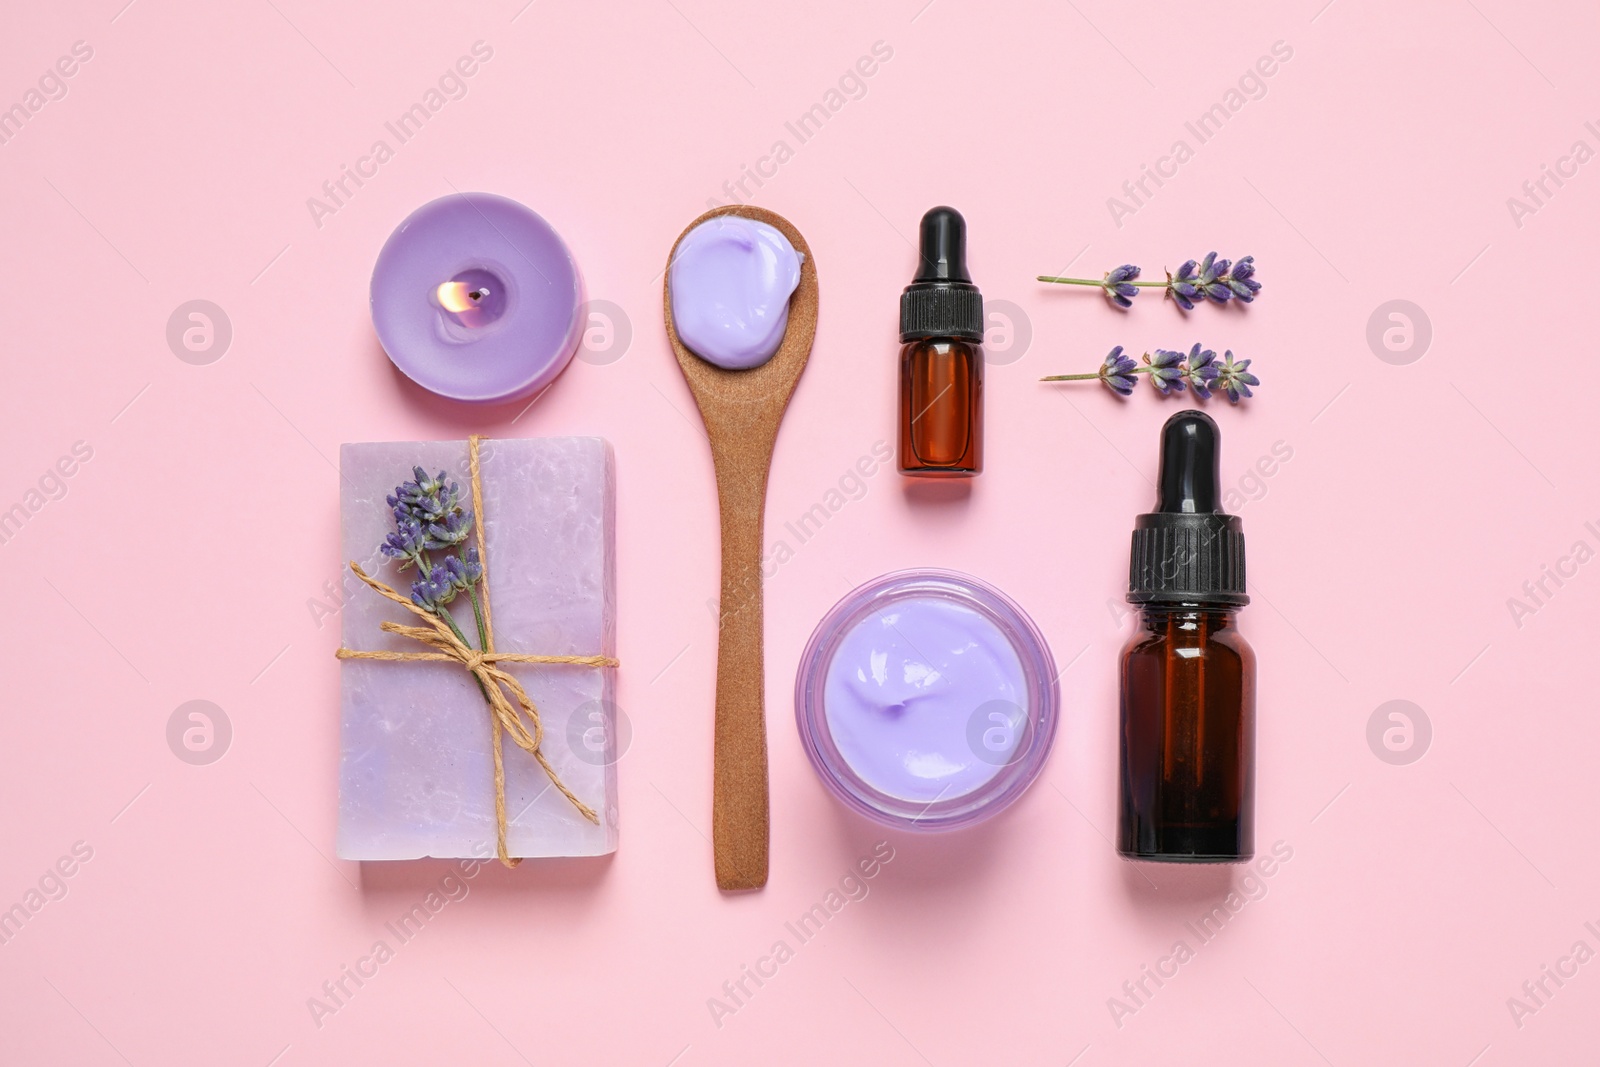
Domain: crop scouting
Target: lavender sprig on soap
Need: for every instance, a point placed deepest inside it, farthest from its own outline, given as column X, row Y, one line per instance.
column 428, row 517
column 1213, row 279
column 1171, row 372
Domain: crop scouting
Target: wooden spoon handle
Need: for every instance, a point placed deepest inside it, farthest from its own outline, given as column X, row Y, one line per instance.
column 739, row 804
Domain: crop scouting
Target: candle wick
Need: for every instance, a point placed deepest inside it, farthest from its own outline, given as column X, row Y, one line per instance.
column 478, row 294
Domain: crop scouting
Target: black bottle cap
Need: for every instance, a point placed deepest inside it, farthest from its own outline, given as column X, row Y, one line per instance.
column 1188, row 551
column 941, row 300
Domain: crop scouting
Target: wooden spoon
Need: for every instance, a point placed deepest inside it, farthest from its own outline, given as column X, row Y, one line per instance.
column 741, row 410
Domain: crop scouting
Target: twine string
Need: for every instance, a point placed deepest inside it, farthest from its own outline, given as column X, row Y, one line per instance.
column 505, row 717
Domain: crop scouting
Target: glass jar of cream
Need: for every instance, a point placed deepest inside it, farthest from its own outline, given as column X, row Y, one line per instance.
column 927, row 700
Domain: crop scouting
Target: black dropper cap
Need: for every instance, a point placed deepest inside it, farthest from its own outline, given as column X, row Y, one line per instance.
column 941, row 300
column 1188, row 551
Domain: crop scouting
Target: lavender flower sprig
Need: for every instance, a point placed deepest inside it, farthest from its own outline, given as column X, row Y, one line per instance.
column 1235, row 379
column 1170, row 372
column 1217, row 280
column 429, row 518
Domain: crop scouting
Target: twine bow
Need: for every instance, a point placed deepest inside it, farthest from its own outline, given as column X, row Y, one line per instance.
column 505, row 717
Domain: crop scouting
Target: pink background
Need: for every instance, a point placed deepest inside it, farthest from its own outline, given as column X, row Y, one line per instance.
column 182, row 560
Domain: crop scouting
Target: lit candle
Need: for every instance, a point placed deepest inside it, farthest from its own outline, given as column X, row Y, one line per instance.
column 476, row 298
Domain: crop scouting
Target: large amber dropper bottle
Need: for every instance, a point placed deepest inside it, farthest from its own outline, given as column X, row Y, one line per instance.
column 1188, row 676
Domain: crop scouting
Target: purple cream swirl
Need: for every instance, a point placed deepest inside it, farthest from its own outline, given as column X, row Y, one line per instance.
column 730, row 284
column 903, row 692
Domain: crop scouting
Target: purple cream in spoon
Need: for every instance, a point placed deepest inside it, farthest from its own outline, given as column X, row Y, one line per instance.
column 730, row 284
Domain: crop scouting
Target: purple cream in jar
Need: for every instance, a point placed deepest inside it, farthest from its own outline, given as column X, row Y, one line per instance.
column 926, row 700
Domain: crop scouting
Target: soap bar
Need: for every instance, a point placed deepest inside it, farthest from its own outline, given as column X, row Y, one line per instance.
column 416, row 771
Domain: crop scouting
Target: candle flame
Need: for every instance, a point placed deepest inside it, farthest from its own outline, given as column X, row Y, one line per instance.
column 458, row 296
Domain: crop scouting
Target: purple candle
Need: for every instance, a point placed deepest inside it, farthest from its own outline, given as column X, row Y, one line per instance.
column 476, row 298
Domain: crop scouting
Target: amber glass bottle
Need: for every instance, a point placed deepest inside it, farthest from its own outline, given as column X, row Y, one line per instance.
column 941, row 361
column 941, row 408
column 1187, row 675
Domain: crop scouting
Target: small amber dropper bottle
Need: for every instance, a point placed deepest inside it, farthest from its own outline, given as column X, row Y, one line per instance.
column 941, row 361
column 1188, row 677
